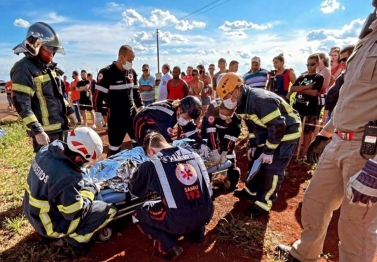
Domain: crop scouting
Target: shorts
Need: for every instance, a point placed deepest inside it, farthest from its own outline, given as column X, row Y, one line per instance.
column 310, row 123
column 86, row 105
column 206, row 100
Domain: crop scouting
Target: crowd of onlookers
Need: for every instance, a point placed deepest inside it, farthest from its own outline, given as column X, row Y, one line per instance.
column 315, row 90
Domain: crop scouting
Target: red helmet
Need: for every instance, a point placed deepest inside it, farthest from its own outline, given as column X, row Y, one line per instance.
column 86, row 142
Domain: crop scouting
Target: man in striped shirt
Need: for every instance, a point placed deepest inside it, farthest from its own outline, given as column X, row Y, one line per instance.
column 257, row 76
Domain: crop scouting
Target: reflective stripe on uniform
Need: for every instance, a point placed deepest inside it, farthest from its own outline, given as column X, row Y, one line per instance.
column 102, row 89
column 136, row 87
column 256, row 120
column 85, row 238
column 190, row 133
column 163, row 181
column 71, row 208
column 52, row 127
column 271, row 146
column 43, row 78
column 249, row 192
column 160, row 108
column 251, row 135
column 121, row 87
column 87, row 194
column 268, row 206
column 42, row 103
column 30, row 119
column 211, row 129
column 23, row 89
column 114, row 148
column 231, row 138
column 292, row 136
column 292, row 114
column 271, row 116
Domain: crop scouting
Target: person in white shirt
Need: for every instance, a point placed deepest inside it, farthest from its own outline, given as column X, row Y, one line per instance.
column 162, row 92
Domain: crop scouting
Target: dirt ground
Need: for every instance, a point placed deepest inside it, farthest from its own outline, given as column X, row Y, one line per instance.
column 128, row 244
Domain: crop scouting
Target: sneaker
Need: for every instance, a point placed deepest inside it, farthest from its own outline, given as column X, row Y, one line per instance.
column 243, row 193
column 173, row 253
column 94, row 126
column 254, row 211
column 284, row 252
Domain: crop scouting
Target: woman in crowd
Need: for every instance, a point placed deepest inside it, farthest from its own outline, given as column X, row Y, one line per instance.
column 284, row 77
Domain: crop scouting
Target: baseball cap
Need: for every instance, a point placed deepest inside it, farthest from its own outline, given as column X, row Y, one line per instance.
column 255, row 59
column 145, row 66
column 222, row 60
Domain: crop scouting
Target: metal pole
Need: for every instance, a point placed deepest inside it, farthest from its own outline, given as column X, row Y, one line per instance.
column 158, row 54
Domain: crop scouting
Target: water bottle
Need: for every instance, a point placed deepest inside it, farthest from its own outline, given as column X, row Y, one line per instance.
column 2, row 132
column 99, row 119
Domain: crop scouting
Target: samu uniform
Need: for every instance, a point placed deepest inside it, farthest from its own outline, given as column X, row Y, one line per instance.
column 120, row 90
column 38, row 98
column 222, row 136
column 56, row 202
column 181, row 179
column 274, row 129
column 161, row 117
column 341, row 159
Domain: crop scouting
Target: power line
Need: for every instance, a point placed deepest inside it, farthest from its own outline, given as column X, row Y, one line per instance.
column 210, row 8
column 187, row 16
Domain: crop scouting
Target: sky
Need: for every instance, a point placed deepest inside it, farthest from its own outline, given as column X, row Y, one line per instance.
column 190, row 32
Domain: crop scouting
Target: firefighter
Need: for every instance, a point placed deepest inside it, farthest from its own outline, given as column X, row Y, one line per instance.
column 162, row 116
column 221, row 127
column 180, row 177
column 117, row 84
column 37, row 91
column 57, row 202
column 274, row 134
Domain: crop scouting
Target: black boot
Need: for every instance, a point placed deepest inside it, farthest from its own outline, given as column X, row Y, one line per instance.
column 284, row 252
column 173, row 253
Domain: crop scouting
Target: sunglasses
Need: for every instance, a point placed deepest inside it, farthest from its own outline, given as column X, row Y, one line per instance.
column 201, row 71
column 344, row 59
column 194, row 74
column 145, row 70
column 211, row 68
column 50, row 48
column 312, row 64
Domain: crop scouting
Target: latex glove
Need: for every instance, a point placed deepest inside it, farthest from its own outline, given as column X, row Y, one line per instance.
column 362, row 187
column 251, row 153
column 42, row 139
column 215, row 157
column 316, row 148
column 266, row 159
column 204, row 150
column 72, row 118
column 223, row 157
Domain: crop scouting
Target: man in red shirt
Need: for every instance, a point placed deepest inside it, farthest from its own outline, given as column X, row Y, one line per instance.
column 188, row 78
column 8, row 90
column 177, row 88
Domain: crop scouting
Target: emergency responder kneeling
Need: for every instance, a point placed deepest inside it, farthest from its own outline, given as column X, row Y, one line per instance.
column 57, row 202
column 221, row 127
column 274, row 133
column 180, row 177
column 162, row 116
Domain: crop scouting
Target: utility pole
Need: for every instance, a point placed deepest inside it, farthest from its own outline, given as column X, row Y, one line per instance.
column 158, row 53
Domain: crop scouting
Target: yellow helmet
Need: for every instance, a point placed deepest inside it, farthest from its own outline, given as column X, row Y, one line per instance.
column 228, row 82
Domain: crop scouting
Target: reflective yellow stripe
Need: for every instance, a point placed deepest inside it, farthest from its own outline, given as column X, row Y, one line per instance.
column 271, row 116
column 85, row 238
column 44, row 208
column 292, row 136
column 256, row 120
column 260, row 145
column 30, row 119
column 42, row 104
column 87, row 194
column 251, row 135
column 71, row 208
column 43, row 78
column 249, row 192
column 268, row 206
column 292, row 114
column 271, row 146
column 23, row 89
column 66, row 103
column 52, row 127
column 73, row 225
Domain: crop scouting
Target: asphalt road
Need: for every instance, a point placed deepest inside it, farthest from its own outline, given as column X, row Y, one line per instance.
column 3, row 97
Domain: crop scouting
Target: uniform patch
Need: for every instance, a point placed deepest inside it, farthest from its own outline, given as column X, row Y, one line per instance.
column 170, row 130
column 186, row 174
column 164, row 82
column 211, row 119
column 100, row 76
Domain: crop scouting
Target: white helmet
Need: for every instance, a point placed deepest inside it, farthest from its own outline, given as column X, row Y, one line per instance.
column 86, row 142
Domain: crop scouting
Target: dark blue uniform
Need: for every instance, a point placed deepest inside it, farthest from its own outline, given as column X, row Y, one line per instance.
column 180, row 178
column 161, row 117
column 274, row 129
